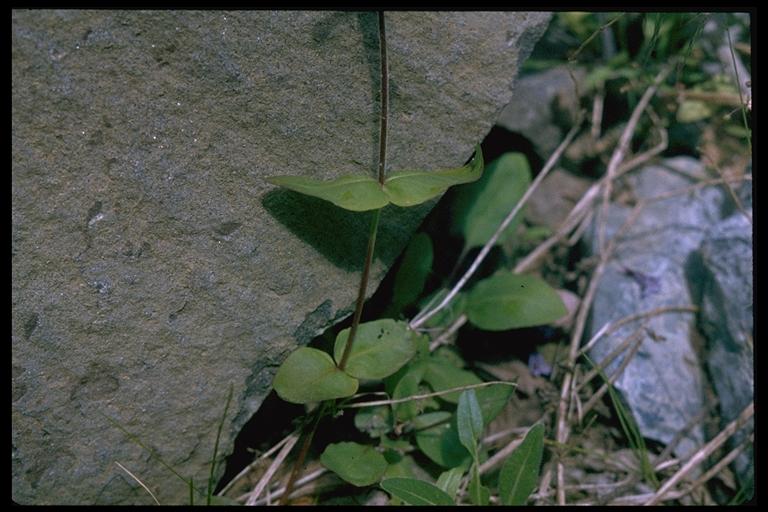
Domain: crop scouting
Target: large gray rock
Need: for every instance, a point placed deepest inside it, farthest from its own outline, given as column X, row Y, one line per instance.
column 152, row 265
column 651, row 268
column 726, row 319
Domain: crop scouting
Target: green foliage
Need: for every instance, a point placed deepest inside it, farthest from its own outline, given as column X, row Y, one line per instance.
column 382, row 347
column 402, row 188
column 469, row 420
column 520, row 472
column 416, row 492
column 509, row 301
column 310, row 375
column 358, row 464
column 479, row 208
column 413, row 272
column 440, row 442
column 450, row 480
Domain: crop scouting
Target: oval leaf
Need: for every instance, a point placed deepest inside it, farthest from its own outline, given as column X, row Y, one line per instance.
column 310, row 375
column 351, row 192
column 409, row 188
column 442, row 375
column 413, row 272
column 358, row 464
column 520, row 472
column 450, row 480
column 380, row 349
column 492, row 400
column 509, row 301
column 441, row 443
column 416, row 492
column 480, row 208
column 403, row 188
column 469, row 419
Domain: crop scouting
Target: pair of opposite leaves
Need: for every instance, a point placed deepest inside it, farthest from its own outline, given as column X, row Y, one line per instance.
column 360, row 193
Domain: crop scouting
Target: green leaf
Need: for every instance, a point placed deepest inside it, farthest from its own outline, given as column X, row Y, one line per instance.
column 376, row 421
column 478, row 494
column 492, row 400
column 408, row 385
column 441, row 375
column 413, row 272
column 381, row 348
column 441, row 443
column 480, row 208
column 355, row 463
column 416, row 492
column 352, row 192
column 310, row 375
column 450, row 480
column 509, row 301
column 520, row 472
column 409, row 188
column 469, row 419
column 402, row 188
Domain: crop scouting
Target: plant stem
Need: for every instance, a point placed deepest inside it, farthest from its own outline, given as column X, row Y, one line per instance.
column 361, row 290
column 384, row 98
column 368, row 257
column 382, row 167
column 302, row 454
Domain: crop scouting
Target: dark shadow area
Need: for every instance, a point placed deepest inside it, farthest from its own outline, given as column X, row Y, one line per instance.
column 340, row 235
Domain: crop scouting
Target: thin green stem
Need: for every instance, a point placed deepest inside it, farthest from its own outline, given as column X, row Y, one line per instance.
column 384, row 99
column 382, row 168
column 362, row 289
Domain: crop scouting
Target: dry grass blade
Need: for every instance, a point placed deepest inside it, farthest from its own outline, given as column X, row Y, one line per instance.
column 427, row 395
column 256, row 462
column 138, row 481
column 265, row 479
column 702, row 454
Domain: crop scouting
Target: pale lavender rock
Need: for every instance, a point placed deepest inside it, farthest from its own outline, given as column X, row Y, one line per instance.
column 663, row 384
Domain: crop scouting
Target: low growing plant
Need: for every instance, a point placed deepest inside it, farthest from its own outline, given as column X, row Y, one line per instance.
column 435, row 403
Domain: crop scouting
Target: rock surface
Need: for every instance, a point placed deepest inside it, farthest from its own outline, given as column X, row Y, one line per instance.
column 727, row 321
column 663, row 383
column 152, row 264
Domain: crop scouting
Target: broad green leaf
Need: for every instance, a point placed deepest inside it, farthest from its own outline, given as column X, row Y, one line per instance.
column 353, row 192
column 404, row 467
column 520, row 472
column 481, row 207
column 441, row 375
column 442, row 445
column 450, row 480
column 478, row 493
column 413, row 272
column 416, row 492
column 409, row 188
column 492, row 400
column 381, row 348
column 403, row 188
column 469, row 419
column 431, row 419
column 310, row 375
column 509, row 301
column 376, row 421
column 408, row 385
column 358, row 464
